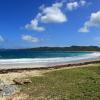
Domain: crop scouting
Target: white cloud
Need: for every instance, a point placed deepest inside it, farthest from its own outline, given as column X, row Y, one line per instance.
column 72, row 5
column 1, row 39
column 94, row 21
column 34, row 26
column 52, row 14
column 82, row 2
column 29, row 38
column 83, row 29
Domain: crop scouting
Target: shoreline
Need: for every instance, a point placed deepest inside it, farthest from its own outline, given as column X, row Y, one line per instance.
column 14, row 65
column 27, row 68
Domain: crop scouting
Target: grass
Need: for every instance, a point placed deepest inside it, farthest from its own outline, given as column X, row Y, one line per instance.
column 66, row 84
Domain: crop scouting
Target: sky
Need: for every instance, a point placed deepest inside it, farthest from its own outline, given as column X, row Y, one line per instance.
column 39, row 23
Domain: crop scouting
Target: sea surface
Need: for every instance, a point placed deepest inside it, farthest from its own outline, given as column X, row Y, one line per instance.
column 17, row 54
column 44, row 57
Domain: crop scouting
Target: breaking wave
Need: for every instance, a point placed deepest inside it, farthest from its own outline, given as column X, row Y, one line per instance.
column 53, row 61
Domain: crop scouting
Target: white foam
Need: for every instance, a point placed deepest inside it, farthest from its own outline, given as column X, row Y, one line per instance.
column 57, row 60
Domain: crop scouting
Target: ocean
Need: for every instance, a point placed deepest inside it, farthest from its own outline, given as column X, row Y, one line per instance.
column 18, row 54
column 43, row 58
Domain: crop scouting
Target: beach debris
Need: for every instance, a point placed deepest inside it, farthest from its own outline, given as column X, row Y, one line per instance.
column 17, row 82
column 26, row 81
column 22, row 81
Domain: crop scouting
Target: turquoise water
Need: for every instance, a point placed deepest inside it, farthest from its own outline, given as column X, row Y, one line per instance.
column 43, row 58
column 16, row 54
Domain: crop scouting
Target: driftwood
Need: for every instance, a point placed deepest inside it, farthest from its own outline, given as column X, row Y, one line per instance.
column 22, row 81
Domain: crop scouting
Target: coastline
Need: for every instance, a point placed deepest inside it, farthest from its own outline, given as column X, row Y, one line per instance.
column 11, row 65
column 29, row 67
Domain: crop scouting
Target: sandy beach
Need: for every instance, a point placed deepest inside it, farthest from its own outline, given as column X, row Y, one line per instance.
column 25, row 74
column 45, row 65
column 11, row 70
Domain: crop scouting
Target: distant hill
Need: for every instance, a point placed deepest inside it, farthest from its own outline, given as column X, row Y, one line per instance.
column 71, row 48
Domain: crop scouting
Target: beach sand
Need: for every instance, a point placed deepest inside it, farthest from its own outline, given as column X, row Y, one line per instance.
column 10, row 76
column 9, row 72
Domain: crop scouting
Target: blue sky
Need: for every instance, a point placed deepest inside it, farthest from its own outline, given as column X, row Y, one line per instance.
column 34, row 23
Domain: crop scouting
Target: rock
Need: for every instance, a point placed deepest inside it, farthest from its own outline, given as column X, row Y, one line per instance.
column 22, row 81
column 8, row 90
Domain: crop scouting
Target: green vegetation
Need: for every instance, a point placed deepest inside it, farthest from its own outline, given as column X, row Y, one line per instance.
column 66, row 84
column 71, row 48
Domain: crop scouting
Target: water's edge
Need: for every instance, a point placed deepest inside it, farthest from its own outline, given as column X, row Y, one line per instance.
column 47, row 62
